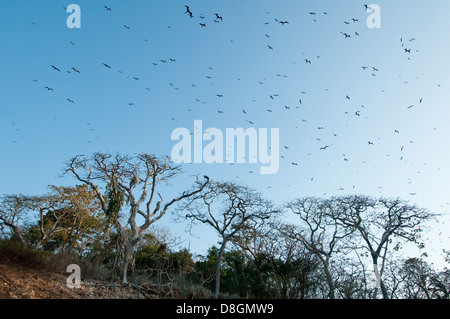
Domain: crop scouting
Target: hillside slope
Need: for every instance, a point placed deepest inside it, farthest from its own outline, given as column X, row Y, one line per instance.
column 20, row 282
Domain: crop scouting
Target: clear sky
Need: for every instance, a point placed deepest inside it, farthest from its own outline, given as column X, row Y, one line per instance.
column 399, row 101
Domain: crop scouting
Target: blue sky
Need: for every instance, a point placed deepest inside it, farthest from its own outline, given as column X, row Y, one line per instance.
column 41, row 129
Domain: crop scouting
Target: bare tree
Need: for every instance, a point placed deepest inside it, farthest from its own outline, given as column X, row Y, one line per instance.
column 127, row 174
column 378, row 222
column 12, row 213
column 227, row 208
column 318, row 231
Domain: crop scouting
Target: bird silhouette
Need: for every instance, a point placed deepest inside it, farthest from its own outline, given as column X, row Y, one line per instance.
column 188, row 11
column 107, row 8
column 55, row 68
column 106, row 65
column 218, row 17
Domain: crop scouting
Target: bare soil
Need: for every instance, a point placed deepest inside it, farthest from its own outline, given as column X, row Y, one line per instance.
column 20, row 282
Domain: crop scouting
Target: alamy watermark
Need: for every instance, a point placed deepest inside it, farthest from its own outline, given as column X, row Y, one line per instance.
column 74, row 19
column 235, row 140
column 74, row 279
column 373, row 278
column 374, row 20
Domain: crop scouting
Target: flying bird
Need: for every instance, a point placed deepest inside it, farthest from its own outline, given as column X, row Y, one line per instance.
column 188, row 11
column 106, row 65
column 55, row 68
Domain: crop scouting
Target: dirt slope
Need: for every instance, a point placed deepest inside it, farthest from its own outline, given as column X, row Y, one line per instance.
column 19, row 282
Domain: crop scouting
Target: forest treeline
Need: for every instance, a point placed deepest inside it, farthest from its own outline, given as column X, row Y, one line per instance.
column 342, row 247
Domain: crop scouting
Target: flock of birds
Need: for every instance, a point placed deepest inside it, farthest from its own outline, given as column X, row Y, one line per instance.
column 273, row 98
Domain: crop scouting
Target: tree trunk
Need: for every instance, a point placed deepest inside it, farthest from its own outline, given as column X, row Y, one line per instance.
column 382, row 286
column 329, row 280
column 17, row 234
column 129, row 246
column 218, row 264
column 39, row 243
